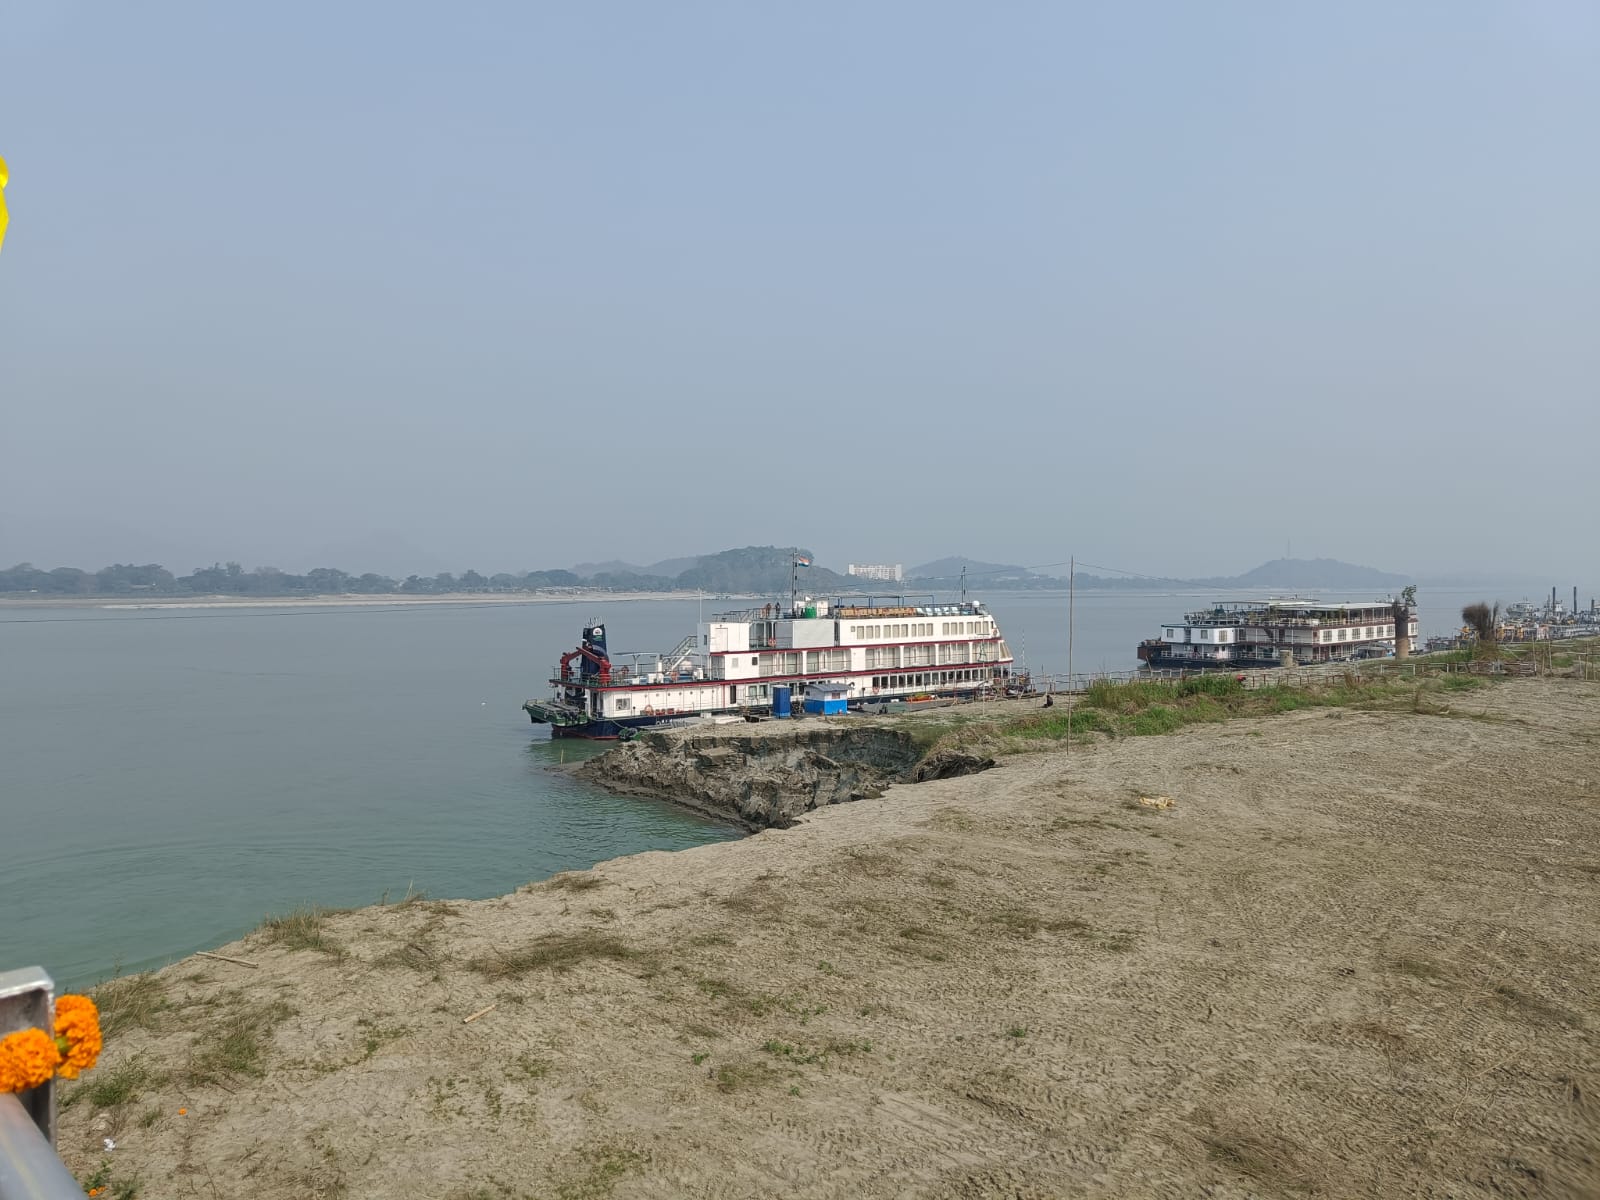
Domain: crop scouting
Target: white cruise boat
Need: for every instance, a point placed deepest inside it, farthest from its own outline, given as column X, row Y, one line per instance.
column 1270, row 633
column 867, row 651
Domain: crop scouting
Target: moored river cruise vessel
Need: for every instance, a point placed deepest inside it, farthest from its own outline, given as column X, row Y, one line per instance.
column 1239, row 634
column 871, row 651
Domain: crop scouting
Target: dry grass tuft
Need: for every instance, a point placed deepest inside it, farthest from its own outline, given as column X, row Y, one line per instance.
column 113, row 1086
column 238, row 1041
column 1258, row 1154
column 574, row 881
column 1025, row 923
column 557, row 952
column 302, row 928
column 130, row 1002
column 736, row 1076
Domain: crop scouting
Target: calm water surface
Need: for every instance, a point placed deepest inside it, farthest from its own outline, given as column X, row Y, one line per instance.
column 171, row 776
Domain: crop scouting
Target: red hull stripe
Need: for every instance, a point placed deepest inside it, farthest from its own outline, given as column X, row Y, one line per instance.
column 779, row 679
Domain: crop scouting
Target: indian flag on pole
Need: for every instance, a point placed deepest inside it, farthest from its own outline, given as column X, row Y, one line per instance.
column 802, row 560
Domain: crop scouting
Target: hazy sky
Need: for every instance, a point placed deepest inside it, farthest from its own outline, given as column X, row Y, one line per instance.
column 1162, row 285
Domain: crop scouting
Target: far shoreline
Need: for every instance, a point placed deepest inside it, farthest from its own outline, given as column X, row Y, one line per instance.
column 350, row 600
column 170, row 601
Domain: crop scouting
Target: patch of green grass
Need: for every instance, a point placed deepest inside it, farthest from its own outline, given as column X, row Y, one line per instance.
column 1055, row 726
column 717, row 989
column 847, row 1048
column 554, row 952
column 302, row 928
column 105, row 1181
column 699, row 1058
column 605, row 1167
column 530, row 1067
column 130, row 1002
column 238, row 1042
column 1151, row 707
column 373, row 1035
column 115, row 1086
column 1017, row 1031
column 1418, row 968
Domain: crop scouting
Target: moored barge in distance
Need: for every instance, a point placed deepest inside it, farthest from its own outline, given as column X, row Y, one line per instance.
column 875, row 650
column 1239, row 634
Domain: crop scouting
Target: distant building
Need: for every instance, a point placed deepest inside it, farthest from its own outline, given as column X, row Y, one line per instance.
column 879, row 571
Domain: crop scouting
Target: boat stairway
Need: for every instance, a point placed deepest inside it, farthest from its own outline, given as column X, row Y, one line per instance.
column 682, row 650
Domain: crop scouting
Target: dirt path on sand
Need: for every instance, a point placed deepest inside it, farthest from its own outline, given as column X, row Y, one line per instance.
column 1359, row 956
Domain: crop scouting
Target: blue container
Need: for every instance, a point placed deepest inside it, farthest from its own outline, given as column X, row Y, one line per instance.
column 780, row 700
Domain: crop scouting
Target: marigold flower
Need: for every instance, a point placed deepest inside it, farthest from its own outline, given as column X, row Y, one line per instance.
column 77, row 1034
column 27, row 1058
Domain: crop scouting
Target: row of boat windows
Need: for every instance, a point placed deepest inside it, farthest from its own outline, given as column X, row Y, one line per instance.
column 1356, row 635
column 927, row 679
column 923, row 629
column 1325, row 635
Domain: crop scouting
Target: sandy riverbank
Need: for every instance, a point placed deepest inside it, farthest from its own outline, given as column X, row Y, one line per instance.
column 1359, row 956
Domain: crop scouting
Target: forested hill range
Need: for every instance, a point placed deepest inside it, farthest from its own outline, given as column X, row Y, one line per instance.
column 1283, row 574
column 752, row 570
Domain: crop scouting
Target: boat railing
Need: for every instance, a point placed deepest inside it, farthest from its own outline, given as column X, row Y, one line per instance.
column 768, row 612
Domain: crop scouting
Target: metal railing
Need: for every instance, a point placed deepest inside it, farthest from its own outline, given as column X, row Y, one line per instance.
column 29, row 1166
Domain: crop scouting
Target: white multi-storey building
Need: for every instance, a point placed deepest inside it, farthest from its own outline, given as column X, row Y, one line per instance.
column 879, row 571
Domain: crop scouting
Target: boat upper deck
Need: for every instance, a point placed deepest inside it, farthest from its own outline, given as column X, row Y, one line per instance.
column 1290, row 611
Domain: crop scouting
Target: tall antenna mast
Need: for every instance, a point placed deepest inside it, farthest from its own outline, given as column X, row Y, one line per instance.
column 964, row 586
column 1072, row 594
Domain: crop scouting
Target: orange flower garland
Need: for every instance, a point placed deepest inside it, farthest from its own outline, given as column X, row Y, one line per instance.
column 78, row 1026
column 30, row 1057
column 27, row 1058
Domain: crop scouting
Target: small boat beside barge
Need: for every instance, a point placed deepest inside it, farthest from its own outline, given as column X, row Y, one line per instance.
column 874, row 651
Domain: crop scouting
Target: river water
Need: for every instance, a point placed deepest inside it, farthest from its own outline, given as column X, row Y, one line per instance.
column 170, row 776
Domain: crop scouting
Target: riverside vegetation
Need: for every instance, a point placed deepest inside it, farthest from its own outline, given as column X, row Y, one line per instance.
column 1357, row 955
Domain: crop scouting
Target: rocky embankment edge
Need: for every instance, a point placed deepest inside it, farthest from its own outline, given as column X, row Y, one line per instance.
column 768, row 776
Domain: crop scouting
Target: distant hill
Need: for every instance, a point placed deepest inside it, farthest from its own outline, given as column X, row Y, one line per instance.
column 1303, row 574
column 613, row 566
column 951, row 568
column 760, row 569
column 671, row 567
column 1284, row 574
column 750, row 570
